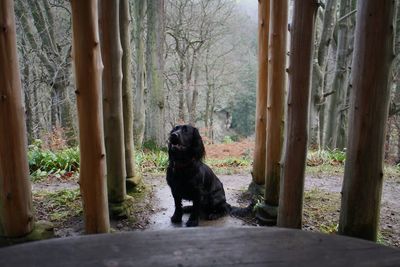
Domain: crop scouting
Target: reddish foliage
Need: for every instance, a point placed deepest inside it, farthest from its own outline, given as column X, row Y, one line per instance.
column 234, row 149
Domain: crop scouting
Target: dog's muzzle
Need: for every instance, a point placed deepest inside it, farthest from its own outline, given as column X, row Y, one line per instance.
column 175, row 142
column 174, row 139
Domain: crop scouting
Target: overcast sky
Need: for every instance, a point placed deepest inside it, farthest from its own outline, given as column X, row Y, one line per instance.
column 250, row 6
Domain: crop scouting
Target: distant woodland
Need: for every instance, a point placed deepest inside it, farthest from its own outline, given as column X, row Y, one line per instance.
column 192, row 61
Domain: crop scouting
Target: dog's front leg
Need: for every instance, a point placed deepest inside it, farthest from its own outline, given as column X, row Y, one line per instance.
column 177, row 217
column 194, row 216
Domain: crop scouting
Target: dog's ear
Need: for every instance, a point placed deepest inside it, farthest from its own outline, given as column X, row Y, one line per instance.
column 199, row 151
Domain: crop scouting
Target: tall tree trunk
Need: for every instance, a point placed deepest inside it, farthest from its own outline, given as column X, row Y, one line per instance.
column 319, row 73
column 88, row 71
column 258, row 171
column 275, row 106
column 181, row 91
column 212, row 108
column 373, row 54
column 27, row 98
column 344, row 114
column 195, row 94
column 294, row 155
column 337, row 101
column 208, row 97
column 111, row 52
column 398, row 141
column 16, row 214
column 139, row 106
column 127, row 90
column 155, row 127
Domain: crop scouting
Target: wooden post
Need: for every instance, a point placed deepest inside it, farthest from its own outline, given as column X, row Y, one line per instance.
column 88, row 71
column 16, row 216
column 111, row 50
column 295, row 148
column 275, row 107
column 258, row 172
column 132, row 176
column 369, row 103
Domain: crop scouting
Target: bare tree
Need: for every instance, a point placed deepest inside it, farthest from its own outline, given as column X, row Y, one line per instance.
column 139, row 105
column 37, row 20
column 316, row 117
column 337, row 101
column 155, row 118
column 191, row 26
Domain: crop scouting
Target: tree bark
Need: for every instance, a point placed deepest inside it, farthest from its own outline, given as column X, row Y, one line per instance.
column 258, row 171
column 88, row 71
column 27, row 99
column 276, row 93
column 155, row 127
column 337, row 100
column 181, row 91
column 16, row 214
column 319, row 73
column 111, row 51
column 295, row 148
column 373, row 54
column 195, row 95
column 127, row 89
column 344, row 114
column 139, row 107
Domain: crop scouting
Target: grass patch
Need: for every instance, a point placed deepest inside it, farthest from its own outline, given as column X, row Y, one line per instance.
column 151, row 161
column 392, row 173
column 321, row 211
column 59, row 206
column 328, row 162
column 325, row 169
column 382, row 238
column 230, row 165
column 156, row 162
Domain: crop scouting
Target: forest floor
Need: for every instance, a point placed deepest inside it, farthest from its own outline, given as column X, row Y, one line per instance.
column 58, row 199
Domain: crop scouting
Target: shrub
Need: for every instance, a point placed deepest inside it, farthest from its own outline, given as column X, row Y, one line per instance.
column 331, row 157
column 44, row 162
column 151, row 161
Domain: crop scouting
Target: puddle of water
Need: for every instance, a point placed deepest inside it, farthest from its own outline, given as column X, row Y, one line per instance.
column 165, row 203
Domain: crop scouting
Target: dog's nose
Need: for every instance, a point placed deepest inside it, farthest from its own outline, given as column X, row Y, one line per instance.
column 174, row 138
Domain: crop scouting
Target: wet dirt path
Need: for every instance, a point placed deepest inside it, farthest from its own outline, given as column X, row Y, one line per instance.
column 164, row 208
column 235, row 185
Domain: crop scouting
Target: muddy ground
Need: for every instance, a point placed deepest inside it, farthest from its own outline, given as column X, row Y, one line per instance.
column 154, row 206
column 58, row 199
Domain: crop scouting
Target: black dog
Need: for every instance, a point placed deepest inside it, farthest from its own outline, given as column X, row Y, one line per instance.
column 191, row 179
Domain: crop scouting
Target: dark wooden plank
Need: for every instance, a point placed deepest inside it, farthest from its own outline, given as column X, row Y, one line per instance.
column 250, row 246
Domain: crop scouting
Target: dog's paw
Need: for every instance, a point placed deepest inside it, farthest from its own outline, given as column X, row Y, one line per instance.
column 176, row 218
column 192, row 223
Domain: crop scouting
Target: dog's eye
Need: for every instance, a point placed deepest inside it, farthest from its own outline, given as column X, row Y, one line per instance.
column 184, row 128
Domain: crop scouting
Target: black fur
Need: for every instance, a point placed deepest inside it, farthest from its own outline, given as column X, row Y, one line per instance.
column 191, row 179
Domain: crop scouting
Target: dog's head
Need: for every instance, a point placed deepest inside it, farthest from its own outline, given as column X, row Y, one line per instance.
column 185, row 143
